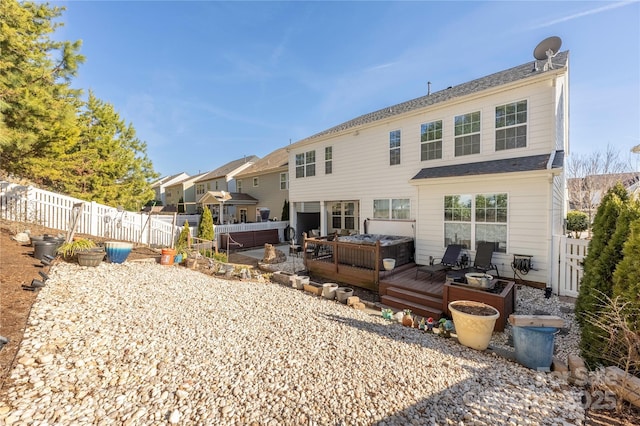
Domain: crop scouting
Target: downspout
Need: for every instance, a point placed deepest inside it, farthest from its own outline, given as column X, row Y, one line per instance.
column 551, row 251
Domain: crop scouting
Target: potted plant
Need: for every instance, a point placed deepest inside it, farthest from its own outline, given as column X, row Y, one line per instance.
column 474, row 322
column 69, row 250
column 387, row 314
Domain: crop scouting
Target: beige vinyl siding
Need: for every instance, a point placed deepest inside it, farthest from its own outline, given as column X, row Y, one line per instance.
column 527, row 224
column 268, row 194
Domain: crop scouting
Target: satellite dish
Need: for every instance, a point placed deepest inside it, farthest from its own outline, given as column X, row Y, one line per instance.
column 547, row 49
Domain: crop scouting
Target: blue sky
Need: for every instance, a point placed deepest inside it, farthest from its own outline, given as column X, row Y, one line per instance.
column 208, row 82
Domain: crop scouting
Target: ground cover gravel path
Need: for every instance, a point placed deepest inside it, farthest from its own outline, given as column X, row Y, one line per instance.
column 147, row 344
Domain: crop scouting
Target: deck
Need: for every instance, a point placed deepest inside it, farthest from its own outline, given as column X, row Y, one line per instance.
column 399, row 289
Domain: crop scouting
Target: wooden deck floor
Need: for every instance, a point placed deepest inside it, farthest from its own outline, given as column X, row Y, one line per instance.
column 405, row 277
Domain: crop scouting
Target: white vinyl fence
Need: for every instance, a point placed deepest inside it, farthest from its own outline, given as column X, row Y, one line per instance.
column 27, row 204
column 572, row 254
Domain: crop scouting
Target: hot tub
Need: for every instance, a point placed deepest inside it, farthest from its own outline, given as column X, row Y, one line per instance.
column 391, row 246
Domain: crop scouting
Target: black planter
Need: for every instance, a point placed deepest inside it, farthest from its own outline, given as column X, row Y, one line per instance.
column 45, row 247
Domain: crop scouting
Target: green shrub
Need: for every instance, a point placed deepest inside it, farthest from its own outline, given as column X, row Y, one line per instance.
column 577, row 222
column 183, row 239
column 285, row 211
column 69, row 249
column 610, row 231
column 221, row 257
column 205, row 228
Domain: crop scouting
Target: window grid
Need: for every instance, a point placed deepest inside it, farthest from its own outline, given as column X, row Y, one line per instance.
column 395, row 208
column 467, row 134
column 511, row 126
column 394, row 147
column 469, row 220
column 431, row 140
column 328, row 160
column 306, row 164
column 284, row 181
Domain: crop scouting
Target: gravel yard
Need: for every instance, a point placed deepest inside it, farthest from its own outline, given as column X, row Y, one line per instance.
column 141, row 344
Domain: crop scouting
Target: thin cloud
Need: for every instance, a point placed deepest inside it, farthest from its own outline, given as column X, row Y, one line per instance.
column 585, row 13
column 379, row 67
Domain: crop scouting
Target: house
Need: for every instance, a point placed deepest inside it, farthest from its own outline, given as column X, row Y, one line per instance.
column 479, row 161
column 181, row 195
column 266, row 180
column 585, row 193
column 217, row 190
column 160, row 185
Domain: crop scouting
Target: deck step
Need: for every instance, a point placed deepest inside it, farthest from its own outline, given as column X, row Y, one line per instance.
column 416, row 308
column 412, row 296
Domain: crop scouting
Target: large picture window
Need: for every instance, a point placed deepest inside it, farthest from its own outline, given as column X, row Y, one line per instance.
column 431, row 140
column 467, row 134
column 306, row 164
column 511, row 126
column 394, row 147
column 469, row 220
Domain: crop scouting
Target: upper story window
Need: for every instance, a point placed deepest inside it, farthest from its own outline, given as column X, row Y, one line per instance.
column 255, row 181
column 306, row 164
column 328, row 160
column 431, row 140
column 394, row 147
column 284, row 181
column 395, row 208
column 200, row 189
column 511, row 126
column 217, row 186
column 467, row 134
column 239, row 186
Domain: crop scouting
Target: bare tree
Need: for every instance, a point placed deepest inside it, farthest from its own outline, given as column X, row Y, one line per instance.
column 590, row 176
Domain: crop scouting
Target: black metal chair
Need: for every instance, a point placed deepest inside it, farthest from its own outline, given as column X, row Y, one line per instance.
column 448, row 261
column 483, row 261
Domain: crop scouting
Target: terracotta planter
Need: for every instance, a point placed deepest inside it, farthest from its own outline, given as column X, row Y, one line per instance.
column 474, row 322
column 407, row 320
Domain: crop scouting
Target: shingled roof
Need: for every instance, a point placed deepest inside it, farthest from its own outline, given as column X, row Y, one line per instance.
column 511, row 75
column 227, row 168
column 508, row 165
column 272, row 161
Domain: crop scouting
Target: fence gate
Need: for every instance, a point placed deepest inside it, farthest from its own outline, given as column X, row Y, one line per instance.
column 572, row 254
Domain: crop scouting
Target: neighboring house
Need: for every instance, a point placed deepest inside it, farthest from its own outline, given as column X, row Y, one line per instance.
column 213, row 189
column 267, row 180
column 161, row 184
column 480, row 161
column 584, row 194
column 181, row 195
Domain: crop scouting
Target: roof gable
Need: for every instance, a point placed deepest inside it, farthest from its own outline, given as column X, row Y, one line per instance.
column 228, row 168
column 273, row 161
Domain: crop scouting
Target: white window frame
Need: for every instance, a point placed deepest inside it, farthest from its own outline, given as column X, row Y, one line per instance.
column 395, row 141
column 200, row 188
column 467, row 137
column 392, row 208
column 431, row 140
column 284, row 181
column 239, row 186
column 511, row 117
column 328, row 160
column 306, row 164
column 468, row 217
column 256, row 182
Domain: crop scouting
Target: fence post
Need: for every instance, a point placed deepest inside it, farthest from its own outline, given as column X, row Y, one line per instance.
column 28, row 209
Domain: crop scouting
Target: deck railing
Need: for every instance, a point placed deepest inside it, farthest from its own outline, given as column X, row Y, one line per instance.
column 357, row 264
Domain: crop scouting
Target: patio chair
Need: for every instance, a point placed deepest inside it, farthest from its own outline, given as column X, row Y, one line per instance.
column 448, row 261
column 483, row 262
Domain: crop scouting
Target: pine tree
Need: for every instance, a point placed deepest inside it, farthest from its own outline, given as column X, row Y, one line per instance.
column 626, row 278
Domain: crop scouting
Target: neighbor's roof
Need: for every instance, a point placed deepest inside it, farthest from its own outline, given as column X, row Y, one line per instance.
column 228, row 168
column 165, row 179
column 275, row 160
column 511, row 75
column 508, row 165
column 237, row 198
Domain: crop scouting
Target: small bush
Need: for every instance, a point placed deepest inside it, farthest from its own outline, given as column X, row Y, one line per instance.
column 69, row 249
column 183, row 239
column 205, row 227
column 220, row 257
column 577, row 222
